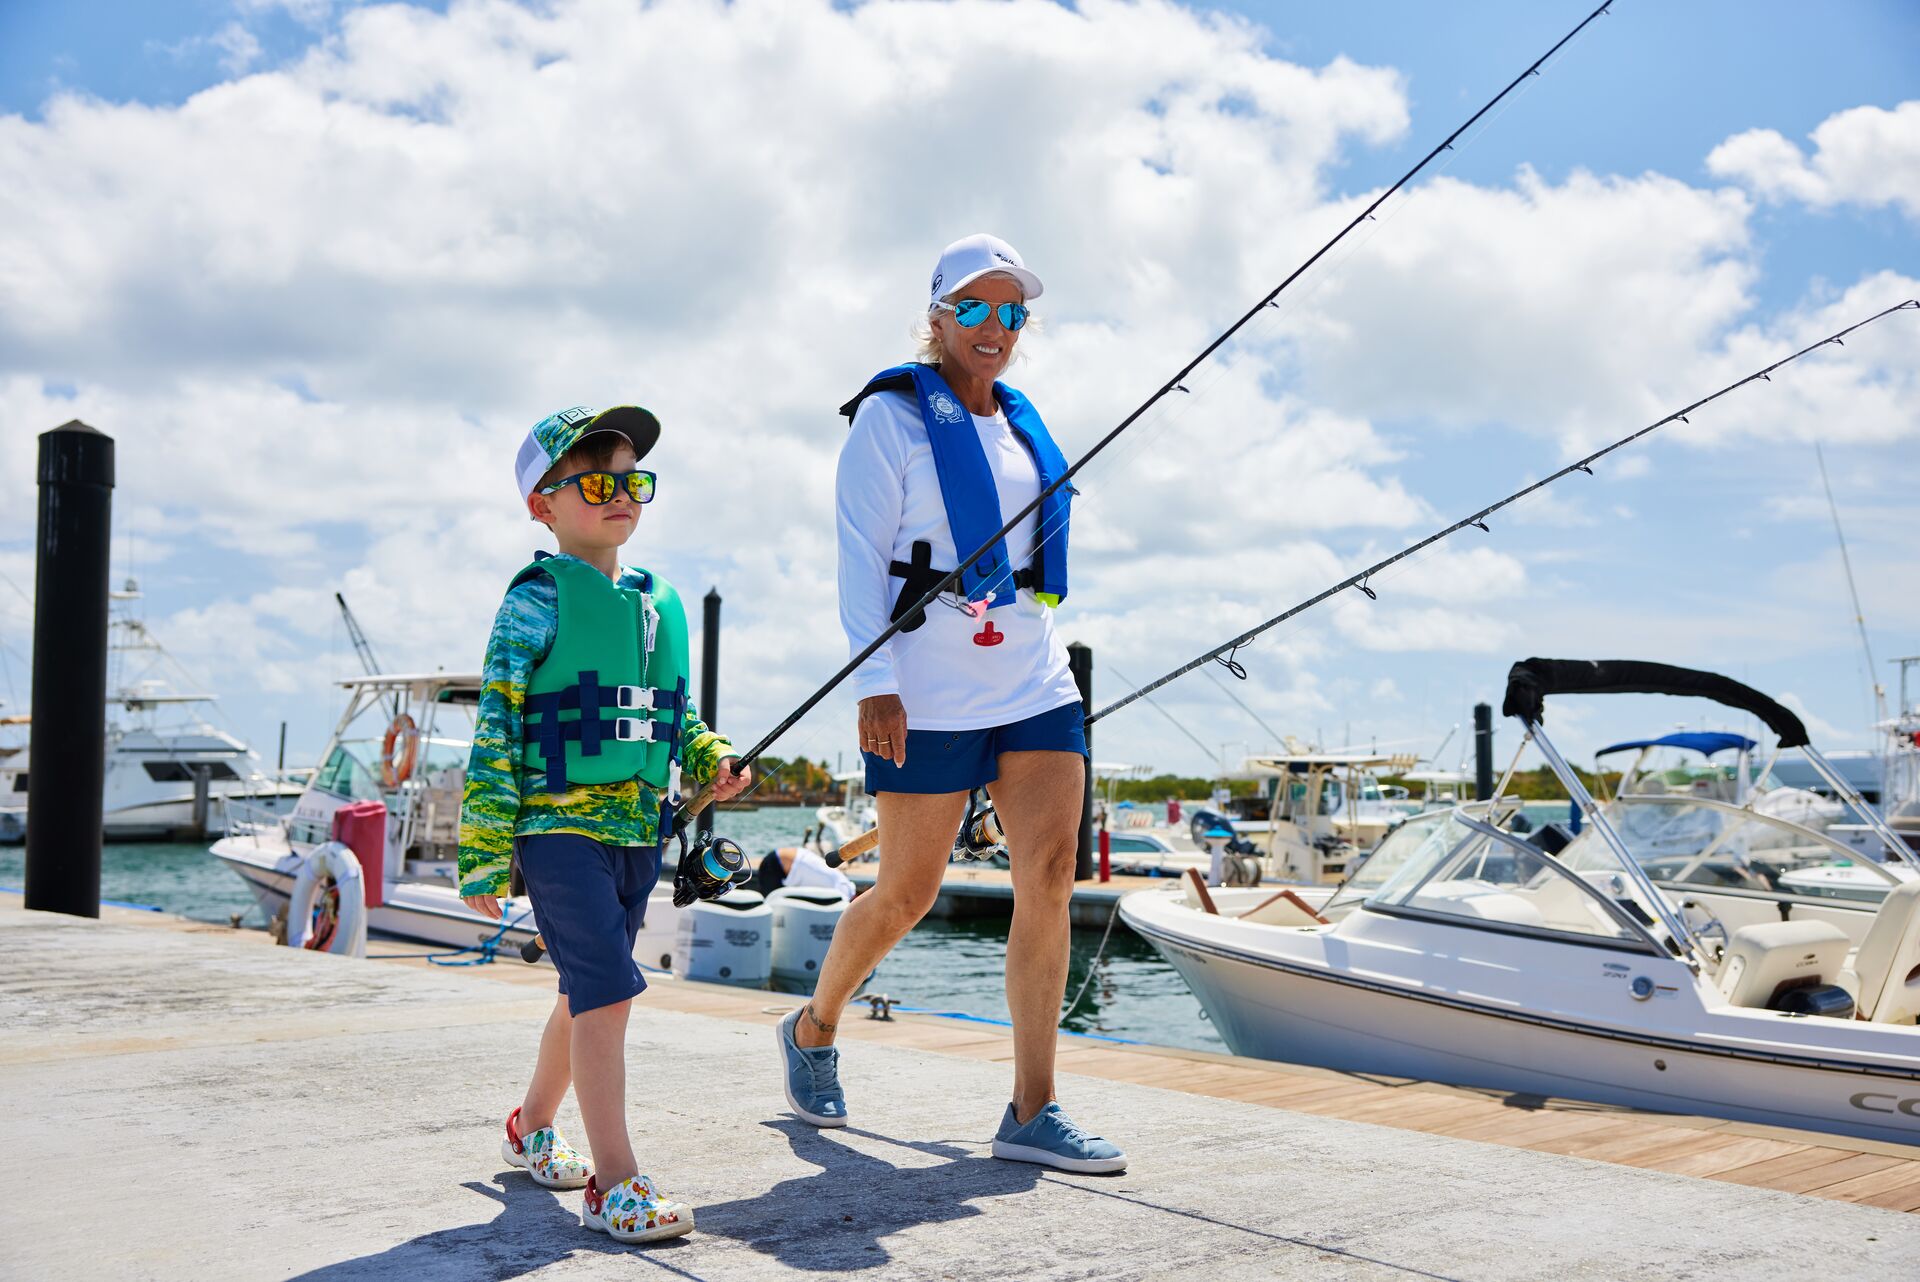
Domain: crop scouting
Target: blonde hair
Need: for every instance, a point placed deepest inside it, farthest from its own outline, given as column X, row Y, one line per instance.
column 928, row 350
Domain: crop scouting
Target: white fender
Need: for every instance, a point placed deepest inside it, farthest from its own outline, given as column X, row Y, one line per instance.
column 331, row 860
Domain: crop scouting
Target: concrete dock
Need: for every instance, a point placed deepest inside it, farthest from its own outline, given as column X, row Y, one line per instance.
column 190, row 1103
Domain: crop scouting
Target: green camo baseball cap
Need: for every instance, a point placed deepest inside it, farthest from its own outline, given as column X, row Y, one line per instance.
column 555, row 434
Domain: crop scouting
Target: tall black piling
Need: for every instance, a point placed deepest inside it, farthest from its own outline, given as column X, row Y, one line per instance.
column 1080, row 662
column 67, row 749
column 1482, row 751
column 710, row 677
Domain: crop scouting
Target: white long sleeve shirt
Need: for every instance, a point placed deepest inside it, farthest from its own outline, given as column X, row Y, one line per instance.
column 887, row 499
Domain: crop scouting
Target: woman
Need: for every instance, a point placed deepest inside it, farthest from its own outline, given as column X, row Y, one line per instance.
column 973, row 691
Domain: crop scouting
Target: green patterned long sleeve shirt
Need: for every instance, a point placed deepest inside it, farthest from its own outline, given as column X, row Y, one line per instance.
column 496, row 805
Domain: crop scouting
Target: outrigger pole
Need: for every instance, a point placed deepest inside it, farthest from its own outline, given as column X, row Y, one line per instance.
column 1175, row 384
column 1224, row 653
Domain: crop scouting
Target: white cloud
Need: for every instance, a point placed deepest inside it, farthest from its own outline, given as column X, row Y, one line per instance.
column 317, row 306
column 1863, row 156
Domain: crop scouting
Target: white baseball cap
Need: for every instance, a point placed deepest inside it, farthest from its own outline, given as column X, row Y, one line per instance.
column 971, row 257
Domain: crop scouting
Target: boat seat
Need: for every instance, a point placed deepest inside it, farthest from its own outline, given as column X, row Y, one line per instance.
column 1770, row 958
column 1478, row 899
column 1885, row 977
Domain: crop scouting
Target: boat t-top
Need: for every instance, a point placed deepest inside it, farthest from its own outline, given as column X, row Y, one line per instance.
column 1679, row 952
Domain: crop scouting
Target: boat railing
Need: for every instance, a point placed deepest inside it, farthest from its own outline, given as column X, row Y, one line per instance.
column 245, row 819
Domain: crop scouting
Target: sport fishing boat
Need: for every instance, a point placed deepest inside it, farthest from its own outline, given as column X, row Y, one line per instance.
column 402, row 741
column 1679, row 953
column 165, row 760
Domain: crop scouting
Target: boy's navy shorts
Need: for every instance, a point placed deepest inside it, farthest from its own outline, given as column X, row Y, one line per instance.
column 961, row 760
column 589, row 900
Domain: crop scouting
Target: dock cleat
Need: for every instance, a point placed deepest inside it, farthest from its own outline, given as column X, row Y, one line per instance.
column 811, row 1076
column 634, row 1211
column 1051, row 1138
column 549, row 1159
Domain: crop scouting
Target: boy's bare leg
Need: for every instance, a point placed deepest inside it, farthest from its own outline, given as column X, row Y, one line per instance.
column 600, row 1084
column 919, row 830
column 1037, row 799
column 552, row 1073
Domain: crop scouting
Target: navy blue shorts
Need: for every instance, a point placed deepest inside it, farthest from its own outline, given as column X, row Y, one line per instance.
column 961, row 760
column 589, row 899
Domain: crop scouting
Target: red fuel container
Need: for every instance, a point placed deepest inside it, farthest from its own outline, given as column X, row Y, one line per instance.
column 361, row 826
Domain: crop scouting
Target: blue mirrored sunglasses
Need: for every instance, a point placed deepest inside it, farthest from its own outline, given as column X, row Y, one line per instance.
column 974, row 311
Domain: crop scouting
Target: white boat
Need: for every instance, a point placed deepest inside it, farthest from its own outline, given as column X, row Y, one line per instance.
column 158, row 748
column 1701, row 981
column 854, row 815
column 419, row 898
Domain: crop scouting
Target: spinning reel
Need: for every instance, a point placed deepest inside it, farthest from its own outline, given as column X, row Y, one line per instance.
column 712, row 867
column 980, row 837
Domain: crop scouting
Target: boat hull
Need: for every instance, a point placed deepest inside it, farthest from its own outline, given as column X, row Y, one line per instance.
column 1354, row 1022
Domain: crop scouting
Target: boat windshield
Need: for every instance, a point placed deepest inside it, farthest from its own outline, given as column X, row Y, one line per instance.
column 1408, row 841
column 1682, row 840
column 349, row 771
column 1455, row 867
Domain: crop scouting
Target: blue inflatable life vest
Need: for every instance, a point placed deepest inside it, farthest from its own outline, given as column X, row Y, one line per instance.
column 970, row 497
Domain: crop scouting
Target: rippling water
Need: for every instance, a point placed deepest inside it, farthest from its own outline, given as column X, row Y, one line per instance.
column 941, row 965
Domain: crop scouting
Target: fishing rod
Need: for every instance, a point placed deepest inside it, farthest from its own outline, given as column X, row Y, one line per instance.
column 1859, row 615
column 1224, row 653
column 1174, row 384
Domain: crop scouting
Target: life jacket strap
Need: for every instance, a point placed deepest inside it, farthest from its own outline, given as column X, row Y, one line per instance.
column 921, row 578
column 544, row 725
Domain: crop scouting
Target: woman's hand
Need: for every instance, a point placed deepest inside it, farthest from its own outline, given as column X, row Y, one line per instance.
column 485, row 905
column 883, row 727
column 728, row 785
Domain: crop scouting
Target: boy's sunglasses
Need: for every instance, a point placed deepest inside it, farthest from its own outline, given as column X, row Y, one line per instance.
column 600, row 487
column 973, row 311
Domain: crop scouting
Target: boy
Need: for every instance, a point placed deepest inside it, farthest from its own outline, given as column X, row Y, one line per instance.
column 581, row 802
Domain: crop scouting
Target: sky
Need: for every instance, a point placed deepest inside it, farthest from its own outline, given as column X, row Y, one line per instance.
column 318, row 265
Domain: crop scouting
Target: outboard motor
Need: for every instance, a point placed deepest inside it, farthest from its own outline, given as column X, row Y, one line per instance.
column 728, row 940
column 804, row 918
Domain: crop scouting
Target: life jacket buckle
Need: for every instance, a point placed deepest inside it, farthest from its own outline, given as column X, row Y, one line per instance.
column 632, row 729
column 634, row 698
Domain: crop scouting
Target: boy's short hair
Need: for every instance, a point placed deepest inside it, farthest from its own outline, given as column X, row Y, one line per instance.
column 591, row 453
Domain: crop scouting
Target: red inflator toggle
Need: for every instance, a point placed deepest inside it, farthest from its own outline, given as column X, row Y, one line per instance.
column 989, row 635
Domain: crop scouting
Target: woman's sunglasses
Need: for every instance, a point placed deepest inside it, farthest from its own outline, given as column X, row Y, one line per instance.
column 973, row 311
column 600, row 487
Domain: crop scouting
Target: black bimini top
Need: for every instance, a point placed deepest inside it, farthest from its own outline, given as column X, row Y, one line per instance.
column 1530, row 681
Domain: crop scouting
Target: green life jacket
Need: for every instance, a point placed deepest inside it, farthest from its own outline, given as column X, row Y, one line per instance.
column 606, row 703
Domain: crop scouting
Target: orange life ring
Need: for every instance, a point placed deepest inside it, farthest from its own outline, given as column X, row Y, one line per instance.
column 405, row 735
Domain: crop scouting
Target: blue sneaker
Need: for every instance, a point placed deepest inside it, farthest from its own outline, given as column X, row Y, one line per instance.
column 1052, row 1139
column 811, row 1075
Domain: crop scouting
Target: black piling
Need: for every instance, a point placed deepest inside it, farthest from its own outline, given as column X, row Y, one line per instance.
column 67, row 749
column 710, row 677
column 1080, row 661
column 1482, row 751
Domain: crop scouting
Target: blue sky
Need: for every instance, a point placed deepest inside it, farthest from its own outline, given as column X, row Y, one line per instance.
column 1719, row 542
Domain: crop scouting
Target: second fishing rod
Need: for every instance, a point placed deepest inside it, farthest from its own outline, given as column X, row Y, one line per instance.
column 1175, row 384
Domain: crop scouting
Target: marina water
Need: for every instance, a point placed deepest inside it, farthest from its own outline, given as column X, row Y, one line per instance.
column 957, row 966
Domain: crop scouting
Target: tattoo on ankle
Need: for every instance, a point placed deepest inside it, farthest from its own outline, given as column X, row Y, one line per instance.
column 818, row 1023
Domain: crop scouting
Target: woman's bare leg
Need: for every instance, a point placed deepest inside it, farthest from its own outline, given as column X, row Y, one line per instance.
column 919, row 830
column 1037, row 798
